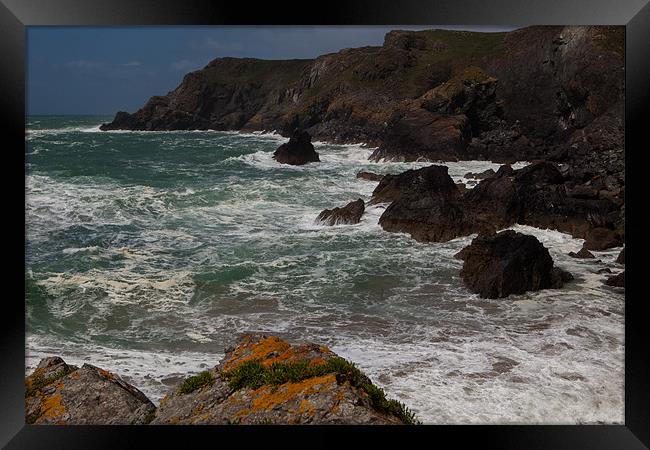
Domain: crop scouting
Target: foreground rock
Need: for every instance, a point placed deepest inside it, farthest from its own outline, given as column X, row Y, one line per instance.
column 616, row 280
column 298, row 151
column 498, row 265
column 265, row 380
column 57, row 393
column 347, row 215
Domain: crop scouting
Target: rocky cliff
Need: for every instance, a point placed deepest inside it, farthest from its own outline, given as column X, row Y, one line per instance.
column 262, row 380
column 432, row 94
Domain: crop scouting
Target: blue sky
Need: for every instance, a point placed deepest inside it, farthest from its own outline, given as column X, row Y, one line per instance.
column 101, row 70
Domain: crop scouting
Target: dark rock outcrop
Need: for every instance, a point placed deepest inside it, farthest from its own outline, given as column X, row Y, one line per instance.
column 498, row 265
column 426, row 204
column 414, row 182
column 481, row 175
column 583, row 253
column 370, row 176
column 616, row 280
column 323, row 389
column 621, row 257
column 602, row 239
column 57, row 393
column 349, row 214
column 298, row 151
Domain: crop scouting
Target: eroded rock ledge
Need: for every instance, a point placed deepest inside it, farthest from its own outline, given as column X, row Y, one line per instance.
column 263, row 380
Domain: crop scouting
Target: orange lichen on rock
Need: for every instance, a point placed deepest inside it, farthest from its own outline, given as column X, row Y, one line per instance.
column 52, row 407
column 306, row 407
column 105, row 374
column 255, row 349
column 267, row 398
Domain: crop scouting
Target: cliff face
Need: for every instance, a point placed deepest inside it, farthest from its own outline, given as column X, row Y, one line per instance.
column 426, row 94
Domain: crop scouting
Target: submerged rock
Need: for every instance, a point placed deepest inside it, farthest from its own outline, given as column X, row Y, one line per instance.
column 57, row 393
column 298, row 151
column 266, row 380
column 349, row 214
column 370, row 176
column 498, row 265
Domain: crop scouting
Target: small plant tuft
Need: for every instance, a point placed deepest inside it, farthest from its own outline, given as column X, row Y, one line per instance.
column 397, row 409
column 191, row 384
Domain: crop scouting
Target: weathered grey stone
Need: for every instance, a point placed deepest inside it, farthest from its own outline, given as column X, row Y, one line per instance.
column 325, row 399
column 57, row 393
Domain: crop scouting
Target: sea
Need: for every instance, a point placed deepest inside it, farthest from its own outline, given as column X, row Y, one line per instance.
column 149, row 253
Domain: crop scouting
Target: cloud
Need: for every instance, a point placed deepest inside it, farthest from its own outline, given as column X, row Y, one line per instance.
column 132, row 64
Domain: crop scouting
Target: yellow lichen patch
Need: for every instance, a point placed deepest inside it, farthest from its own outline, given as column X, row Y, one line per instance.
column 198, row 408
column 325, row 349
column 337, row 405
column 255, row 350
column 164, row 400
column 296, row 353
column 174, row 420
column 242, row 413
column 52, row 407
column 106, row 374
column 306, row 407
column 267, row 398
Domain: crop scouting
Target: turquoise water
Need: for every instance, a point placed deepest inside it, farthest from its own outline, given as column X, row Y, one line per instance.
column 149, row 252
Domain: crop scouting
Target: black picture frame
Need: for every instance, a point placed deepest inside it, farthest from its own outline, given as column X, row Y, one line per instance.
column 15, row 15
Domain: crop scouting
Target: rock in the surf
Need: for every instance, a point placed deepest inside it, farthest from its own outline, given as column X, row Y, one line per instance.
column 498, row 265
column 370, row 176
column 582, row 254
column 621, row 257
column 346, row 215
column 602, row 239
column 617, row 280
column 298, row 151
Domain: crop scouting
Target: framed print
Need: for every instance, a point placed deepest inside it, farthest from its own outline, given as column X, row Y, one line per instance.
column 384, row 214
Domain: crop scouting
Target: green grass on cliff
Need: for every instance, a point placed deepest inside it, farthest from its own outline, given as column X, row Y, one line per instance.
column 252, row 374
column 191, row 384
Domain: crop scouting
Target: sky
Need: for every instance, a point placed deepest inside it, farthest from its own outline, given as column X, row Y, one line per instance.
column 102, row 70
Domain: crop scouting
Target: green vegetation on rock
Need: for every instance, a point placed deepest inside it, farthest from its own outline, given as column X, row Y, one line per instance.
column 191, row 384
column 253, row 374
